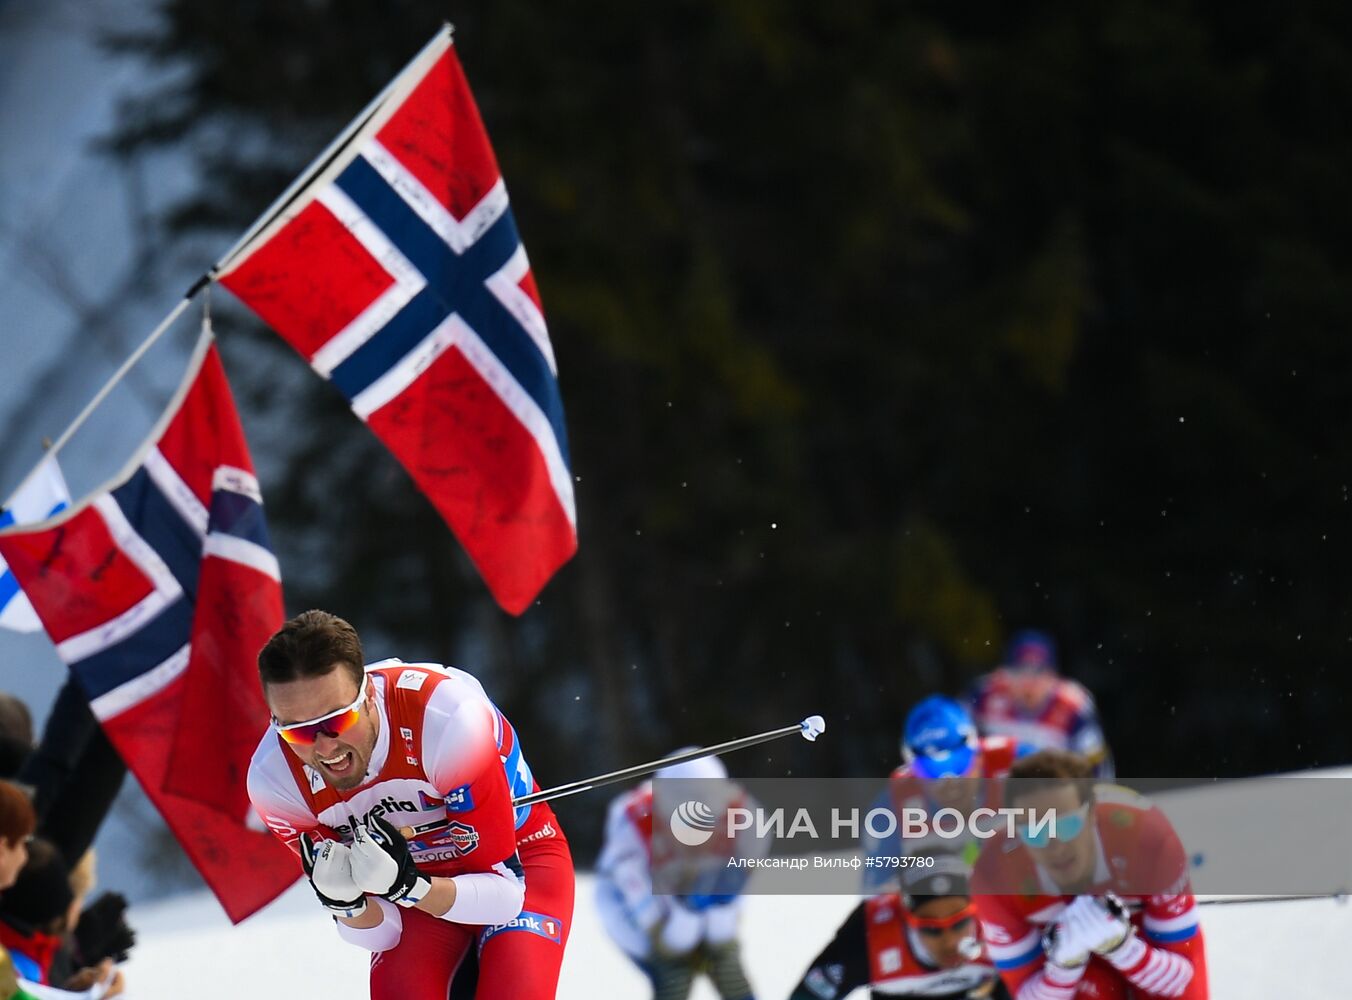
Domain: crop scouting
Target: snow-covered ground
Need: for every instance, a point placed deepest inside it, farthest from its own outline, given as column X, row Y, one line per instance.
column 1256, row 951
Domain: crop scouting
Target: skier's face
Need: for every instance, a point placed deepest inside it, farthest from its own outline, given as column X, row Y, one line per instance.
column 1069, row 860
column 340, row 759
column 954, row 793
column 1030, row 689
column 947, row 925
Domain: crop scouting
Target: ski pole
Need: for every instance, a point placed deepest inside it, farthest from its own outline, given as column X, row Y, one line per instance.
column 1232, row 900
column 810, row 728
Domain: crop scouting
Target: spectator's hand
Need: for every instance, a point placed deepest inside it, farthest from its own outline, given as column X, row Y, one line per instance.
column 103, row 981
column 328, row 865
column 103, row 931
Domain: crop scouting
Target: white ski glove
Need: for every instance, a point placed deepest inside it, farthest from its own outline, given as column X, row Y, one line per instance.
column 1064, row 947
column 720, row 923
column 382, row 864
column 681, row 932
column 329, row 867
column 1101, row 923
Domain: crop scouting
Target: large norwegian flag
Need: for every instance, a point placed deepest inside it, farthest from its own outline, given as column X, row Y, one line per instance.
column 158, row 591
column 399, row 275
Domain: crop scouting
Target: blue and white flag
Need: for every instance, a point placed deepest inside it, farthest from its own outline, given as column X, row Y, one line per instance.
column 41, row 497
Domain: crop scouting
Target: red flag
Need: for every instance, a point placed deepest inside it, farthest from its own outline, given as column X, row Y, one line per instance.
column 399, row 275
column 158, row 591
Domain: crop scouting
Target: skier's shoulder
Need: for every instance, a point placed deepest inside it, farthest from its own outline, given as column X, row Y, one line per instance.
column 1074, row 696
column 274, row 787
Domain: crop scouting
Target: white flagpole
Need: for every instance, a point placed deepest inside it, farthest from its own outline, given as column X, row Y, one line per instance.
column 317, row 165
column 102, row 394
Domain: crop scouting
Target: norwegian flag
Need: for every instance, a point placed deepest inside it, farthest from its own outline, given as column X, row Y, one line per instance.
column 399, row 275
column 158, row 592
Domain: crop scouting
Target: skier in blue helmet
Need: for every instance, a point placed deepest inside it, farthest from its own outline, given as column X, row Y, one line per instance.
column 939, row 740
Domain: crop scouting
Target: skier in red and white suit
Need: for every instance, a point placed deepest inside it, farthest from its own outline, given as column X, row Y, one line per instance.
column 1103, row 908
column 394, row 784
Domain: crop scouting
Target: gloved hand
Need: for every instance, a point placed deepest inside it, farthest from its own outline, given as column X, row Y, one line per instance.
column 382, row 864
column 329, row 868
column 720, row 923
column 103, row 931
column 1064, row 948
column 1101, row 923
column 680, row 933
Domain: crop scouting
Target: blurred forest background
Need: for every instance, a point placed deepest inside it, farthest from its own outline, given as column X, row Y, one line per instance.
column 883, row 329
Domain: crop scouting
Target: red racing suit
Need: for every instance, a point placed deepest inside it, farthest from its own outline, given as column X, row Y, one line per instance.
column 1140, row 859
column 447, row 764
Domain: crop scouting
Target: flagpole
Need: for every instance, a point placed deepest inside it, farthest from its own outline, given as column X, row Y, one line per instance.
column 277, row 207
column 102, row 394
column 317, row 164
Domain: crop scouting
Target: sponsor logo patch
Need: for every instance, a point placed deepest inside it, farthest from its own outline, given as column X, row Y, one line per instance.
column 459, row 800
column 464, row 837
column 411, row 680
column 534, row 923
column 389, row 804
column 545, row 831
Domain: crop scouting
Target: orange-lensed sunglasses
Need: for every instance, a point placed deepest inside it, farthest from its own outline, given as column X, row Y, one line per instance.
column 333, row 725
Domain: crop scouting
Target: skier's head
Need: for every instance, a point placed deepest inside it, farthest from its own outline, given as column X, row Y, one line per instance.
column 939, row 743
column 1060, row 783
column 17, row 823
column 1029, row 649
column 322, row 703
column 706, row 768
column 939, row 908
column 1030, row 667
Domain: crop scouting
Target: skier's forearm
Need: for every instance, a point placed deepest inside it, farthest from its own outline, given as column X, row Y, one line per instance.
column 440, row 898
column 367, row 918
column 475, row 898
column 382, row 935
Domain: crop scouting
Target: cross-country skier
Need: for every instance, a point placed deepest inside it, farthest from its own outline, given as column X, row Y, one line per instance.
column 946, row 765
column 1026, row 700
column 394, row 784
column 671, row 938
column 923, row 942
column 1104, row 907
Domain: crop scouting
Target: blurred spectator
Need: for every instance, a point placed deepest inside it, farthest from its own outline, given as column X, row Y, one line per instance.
column 33, row 911
column 35, row 914
column 17, row 823
column 1026, row 700
column 16, row 734
column 75, row 772
column 100, row 930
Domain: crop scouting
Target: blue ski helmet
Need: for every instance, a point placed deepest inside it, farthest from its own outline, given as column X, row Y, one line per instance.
column 940, row 739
